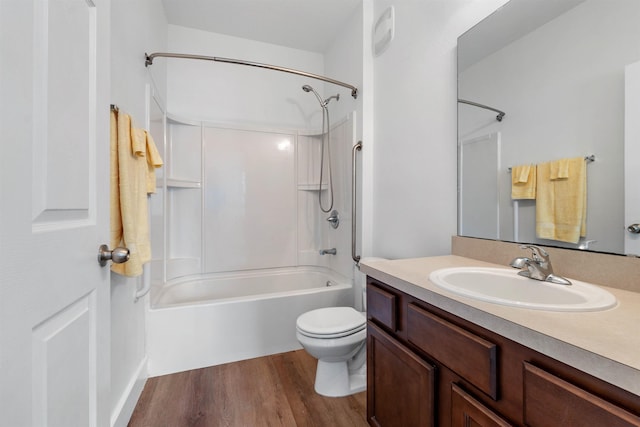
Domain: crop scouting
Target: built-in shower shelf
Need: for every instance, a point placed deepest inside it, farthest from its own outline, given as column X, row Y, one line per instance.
column 181, row 183
column 311, row 187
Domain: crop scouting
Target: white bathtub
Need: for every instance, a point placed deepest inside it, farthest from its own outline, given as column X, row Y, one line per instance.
column 222, row 318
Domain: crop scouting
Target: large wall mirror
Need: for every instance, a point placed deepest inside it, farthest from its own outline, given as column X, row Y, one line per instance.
column 564, row 73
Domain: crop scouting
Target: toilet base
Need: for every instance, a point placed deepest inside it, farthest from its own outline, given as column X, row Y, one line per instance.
column 337, row 379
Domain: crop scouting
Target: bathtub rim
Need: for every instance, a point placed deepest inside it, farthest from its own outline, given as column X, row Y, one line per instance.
column 339, row 282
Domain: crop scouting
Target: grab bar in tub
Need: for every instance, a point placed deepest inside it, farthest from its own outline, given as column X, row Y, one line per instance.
column 354, row 217
column 146, row 283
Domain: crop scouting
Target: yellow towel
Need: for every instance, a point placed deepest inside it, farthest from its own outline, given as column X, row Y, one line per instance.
column 138, row 142
column 153, row 161
column 561, row 203
column 559, row 169
column 523, row 182
column 130, row 166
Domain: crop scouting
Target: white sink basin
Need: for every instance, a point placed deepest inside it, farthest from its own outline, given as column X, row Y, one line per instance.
column 506, row 287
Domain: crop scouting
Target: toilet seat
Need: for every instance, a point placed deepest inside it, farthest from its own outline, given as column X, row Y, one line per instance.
column 331, row 336
column 331, row 322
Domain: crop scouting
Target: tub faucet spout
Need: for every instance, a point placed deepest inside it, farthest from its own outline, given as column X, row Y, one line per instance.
column 331, row 251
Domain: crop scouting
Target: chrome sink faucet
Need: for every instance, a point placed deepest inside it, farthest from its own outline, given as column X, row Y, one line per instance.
column 537, row 267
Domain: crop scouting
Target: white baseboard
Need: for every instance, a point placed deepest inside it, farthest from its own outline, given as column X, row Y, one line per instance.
column 121, row 414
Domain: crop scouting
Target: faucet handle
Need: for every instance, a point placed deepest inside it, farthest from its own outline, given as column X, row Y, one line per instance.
column 539, row 254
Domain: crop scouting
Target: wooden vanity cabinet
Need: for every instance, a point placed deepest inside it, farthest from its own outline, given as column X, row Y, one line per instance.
column 427, row 367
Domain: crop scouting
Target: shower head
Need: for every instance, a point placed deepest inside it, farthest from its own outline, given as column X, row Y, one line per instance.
column 308, row 88
column 336, row 97
column 324, row 103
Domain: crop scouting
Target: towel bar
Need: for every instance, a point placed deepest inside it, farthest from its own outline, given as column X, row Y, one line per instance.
column 590, row 158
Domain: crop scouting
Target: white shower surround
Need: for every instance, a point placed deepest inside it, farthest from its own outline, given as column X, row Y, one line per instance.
column 247, row 198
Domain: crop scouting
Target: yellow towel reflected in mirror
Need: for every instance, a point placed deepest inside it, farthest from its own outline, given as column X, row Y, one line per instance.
column 523, row 182
column 561, row 200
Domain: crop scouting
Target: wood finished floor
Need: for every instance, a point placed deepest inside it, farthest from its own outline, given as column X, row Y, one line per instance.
column 268, row 391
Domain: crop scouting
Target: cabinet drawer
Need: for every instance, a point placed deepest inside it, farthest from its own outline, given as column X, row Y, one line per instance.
column 549, row 400
column 382, row 306
column 468, row 355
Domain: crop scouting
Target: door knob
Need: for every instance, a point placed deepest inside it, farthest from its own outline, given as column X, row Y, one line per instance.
column 118, row 255
column 634, row 228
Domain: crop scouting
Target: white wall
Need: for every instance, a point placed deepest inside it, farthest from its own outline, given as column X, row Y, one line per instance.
column 137, row 27
column 343, row 61
column 414, row 199
column 235, row 94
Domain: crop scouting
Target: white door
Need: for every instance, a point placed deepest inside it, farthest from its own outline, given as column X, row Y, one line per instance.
column 631, row 156
column 54, row 132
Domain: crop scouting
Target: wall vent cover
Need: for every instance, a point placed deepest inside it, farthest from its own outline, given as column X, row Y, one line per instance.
column 383, row 31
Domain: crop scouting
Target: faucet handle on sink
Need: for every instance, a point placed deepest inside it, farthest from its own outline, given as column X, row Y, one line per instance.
column 538, row 253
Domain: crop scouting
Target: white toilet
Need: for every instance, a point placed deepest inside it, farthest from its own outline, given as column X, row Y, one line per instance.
column 336, row 336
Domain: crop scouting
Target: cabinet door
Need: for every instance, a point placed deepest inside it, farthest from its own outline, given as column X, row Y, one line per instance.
column 468, row 412
column 401, row 386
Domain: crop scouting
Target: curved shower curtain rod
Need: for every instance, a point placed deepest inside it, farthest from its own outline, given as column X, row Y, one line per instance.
column 149, row 61
column 500, row 115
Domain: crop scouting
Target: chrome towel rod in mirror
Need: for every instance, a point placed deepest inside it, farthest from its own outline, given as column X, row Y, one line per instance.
column 475, row 104
column 149, row 61
column 590, row 158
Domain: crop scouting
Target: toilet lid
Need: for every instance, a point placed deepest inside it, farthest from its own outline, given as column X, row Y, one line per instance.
column 331, row 322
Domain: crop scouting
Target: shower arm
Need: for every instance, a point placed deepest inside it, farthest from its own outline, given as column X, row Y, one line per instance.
column 150, row 57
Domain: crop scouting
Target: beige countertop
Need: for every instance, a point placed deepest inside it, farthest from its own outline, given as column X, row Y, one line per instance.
column 605, row 344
